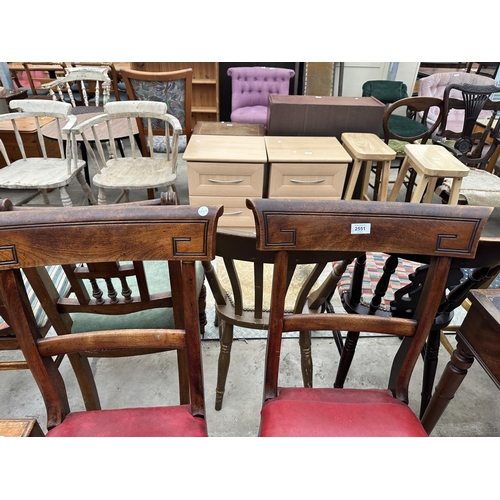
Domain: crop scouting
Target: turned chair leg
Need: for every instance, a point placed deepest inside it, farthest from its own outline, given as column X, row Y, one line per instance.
column 306, row 358
column 346, row 358
column 226, row 343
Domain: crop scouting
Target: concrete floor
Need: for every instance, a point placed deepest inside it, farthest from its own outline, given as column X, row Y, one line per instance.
column 140, row 381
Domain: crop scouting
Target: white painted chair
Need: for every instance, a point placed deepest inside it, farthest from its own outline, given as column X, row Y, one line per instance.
column 132, row 171
column 87, row 86
column 52, row 167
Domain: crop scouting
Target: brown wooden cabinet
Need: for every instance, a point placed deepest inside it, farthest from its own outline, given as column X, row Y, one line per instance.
column 205, row 106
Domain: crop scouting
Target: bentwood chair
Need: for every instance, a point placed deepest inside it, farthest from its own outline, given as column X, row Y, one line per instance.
column 176, row 237
column 240, row 284
column 286, row 227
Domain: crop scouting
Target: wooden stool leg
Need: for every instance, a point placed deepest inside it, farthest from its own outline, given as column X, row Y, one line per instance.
column 367, row 168
column 356, row 166
column 455, row 191
column 431, row 187
column 420, row 189
column 384, row 182
column 400, row 179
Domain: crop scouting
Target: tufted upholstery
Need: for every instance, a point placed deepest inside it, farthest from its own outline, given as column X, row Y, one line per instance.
column 434, row 86
column 251, row 87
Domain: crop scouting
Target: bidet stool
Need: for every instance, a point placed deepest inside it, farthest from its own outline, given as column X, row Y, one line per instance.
column 430, row 162
column 365, row 149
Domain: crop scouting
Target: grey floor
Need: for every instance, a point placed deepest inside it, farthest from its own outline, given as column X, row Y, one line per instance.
column 475, row 411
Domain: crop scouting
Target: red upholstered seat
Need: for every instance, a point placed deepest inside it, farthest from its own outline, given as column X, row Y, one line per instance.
column 305, row 412
column 158, row 421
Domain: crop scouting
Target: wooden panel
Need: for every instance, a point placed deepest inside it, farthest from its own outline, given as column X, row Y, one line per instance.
column 225, row 179
column 315, row 181
column 236, row 214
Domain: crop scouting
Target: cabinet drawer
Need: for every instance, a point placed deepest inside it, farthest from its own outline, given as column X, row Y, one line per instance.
column 313, row 180
column 236, row 214
column 225, row 179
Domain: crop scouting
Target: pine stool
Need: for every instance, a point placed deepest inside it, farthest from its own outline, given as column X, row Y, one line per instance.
column 365, row 149
column 430, row 162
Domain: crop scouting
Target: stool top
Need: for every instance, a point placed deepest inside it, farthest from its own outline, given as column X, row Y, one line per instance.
column 367, row 147
column 435, row 161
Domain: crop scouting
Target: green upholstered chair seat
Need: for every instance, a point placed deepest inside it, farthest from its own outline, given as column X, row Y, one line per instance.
column 158, row 281
column 404, row 127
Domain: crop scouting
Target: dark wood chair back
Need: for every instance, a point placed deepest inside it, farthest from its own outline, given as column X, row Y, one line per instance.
column 113, row 242
column 439, row 232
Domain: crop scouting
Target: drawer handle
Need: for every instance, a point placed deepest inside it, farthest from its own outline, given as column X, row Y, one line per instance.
column 217, row 181
column 234, row 213
column 298, row 181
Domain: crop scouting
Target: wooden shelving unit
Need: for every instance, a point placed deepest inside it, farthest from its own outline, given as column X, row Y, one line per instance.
column 205, row 106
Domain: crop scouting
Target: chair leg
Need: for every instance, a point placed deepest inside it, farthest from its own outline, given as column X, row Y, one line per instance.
column 346, row 358
column 226, row 342
column 66, row 200
column 202, row 306
column 430, row 367
column 86, row 188
column 183, row 370
column 305, row 357
column 86, row 382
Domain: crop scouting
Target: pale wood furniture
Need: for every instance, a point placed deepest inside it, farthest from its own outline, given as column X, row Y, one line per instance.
column 288, row 227
column 177, row 236
column 44, row 172
column 364, row 150
column 226, row 170
column 20, row 427
column 131, row 171
column 306, row 167
column 478, row 338
column 92, row 80
column 205, row 104
column 317, row 116
column 228, row 128
column 430, row 162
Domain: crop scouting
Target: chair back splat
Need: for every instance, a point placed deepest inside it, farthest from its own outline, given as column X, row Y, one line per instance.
column 438, row 232
column 179, row 235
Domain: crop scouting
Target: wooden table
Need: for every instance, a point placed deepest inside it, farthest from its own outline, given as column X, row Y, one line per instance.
column 431, row 162
column 306, row 167
column 11, row 95
column 478, row 338
column 228, row 128
column 365, row 149
column 20, row 427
